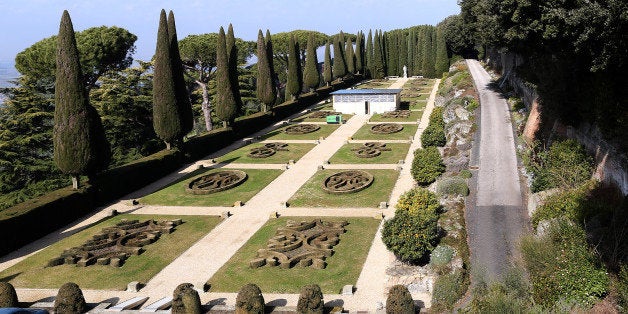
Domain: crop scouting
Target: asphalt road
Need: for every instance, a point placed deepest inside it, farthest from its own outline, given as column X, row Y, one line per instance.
column 496, row 216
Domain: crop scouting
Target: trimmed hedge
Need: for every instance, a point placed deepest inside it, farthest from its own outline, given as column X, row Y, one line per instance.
column 35, row 218
column 427, row 165
column 399, row 301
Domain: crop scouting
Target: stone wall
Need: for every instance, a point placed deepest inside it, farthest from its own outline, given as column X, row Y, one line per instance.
column 611, row 165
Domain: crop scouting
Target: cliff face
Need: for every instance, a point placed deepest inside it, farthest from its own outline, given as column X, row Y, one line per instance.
column 611, row 163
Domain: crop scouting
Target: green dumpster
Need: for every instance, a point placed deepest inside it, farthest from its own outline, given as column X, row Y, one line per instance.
column 334, row 119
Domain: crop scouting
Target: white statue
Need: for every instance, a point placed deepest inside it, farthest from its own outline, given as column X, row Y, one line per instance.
column 405, row 71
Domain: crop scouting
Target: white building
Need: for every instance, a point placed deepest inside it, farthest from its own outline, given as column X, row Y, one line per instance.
column 366, row 101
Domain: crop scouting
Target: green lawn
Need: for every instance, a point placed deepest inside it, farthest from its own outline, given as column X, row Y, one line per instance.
column 307, row 118
column 31, row 273
column 364, row 133
column 343, row 267
column 346, row 156
column 418, row 105
column 294, row 152
column 175, row 195
column 279, row 134
column 414, row 116
column 311, row 194
column 377, row 84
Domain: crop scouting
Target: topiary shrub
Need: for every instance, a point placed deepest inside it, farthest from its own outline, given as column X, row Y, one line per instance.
column 8, row 297
column 453, row 186
column 250, row 300
column 399, row 301
column 433, row 135
column 427, row 165
column 311, row 300
column 185, row 300
column 418, row 201
column 410, row 237
column 70, row 299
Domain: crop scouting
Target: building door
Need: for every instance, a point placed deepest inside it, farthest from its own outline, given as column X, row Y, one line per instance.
column 366, row 107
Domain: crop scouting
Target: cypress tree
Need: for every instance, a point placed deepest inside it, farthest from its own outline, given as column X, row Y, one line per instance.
column 232, row 55
column 293, row 88
column 377, row 68
column 428, row 55
column 312, row 75
column 80, row 146
column 442, row 61
column 350, row 56
column 340, row 66
column 384, row 47
column 327, row 73
column 418, row 56
column 392, row 54
column 402, row 52
column 359, row 53
column 271, row 62
column 166, row 115
column 181, row 91
column 266, row 92
column 225, row 100
column 369, row 55
column 411, row 49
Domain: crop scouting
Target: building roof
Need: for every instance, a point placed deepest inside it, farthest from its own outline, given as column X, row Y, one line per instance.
column 366, row 91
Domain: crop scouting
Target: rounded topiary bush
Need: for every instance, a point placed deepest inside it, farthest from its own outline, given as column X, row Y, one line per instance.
column 410, row 237
column 433, row 135
column 399, row 301
column 185, row 300
column 8, row 297
column 427, row 165
column 419, row 201
column 250, row 300
column 311, row 300
column 453, row 187
column 70, row 299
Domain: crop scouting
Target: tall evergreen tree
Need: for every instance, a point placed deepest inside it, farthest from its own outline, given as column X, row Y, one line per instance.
column 271, row 62
column 232, row 55
column 340, row 66
column 428, row 54
column 226, row 105
column 293, row 85
column 392, row 55
column 166, row 112
column 383, row 38
column 377, row 67
column 418, row 55
column 266, row 92
column 410, row 46
column 402, row 53
column 442, row 60
column 369, row 55
column 311, row 75
column 327, row 73
column 359, row 53
column 350, row 56
column 181, row 91
column 80, row 146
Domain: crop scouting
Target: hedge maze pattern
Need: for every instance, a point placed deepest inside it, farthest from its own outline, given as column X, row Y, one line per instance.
column 302, row 129
column 216, row 182
column 346, row 182
column 386, row 128
column 370, row 149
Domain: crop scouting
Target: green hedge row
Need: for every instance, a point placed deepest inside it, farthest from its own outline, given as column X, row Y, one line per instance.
column 33, row 219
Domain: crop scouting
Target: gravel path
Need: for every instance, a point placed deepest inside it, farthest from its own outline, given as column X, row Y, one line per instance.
column 498, row 218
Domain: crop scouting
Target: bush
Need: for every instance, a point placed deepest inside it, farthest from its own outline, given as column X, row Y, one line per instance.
column 185, row 300
column 433, row 135
column 70, row 299
column 8, row 297
column 571, row 204
column 410, row 238
column 565, row 165
column 448, row 289
column 621, row 287
column 442, row 255
column 427, row 165
column 453, row 186
column 562, row 267
column 311, row 300
column 465, row 174
column 419, row 201
column 399, row 301
column 250, row 300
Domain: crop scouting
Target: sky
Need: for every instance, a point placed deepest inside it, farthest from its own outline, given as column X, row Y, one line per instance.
column 24, row 22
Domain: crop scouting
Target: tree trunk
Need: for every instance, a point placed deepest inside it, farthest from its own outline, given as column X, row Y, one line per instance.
column 167, row 145
column 205, row 106
column 225, row 124
column 75, row 181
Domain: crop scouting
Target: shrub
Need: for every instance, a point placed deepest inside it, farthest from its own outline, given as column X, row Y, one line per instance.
column 399, row 301
column 562, row 267
column 311, row 300
column 574, row 205
column 185, row 300
column 250, row 300
column 433, row 135
column 497, row 299
column 566, row 165
column 419, row 201
column 448, row 289
column 427, row 165
column 410, row 238
column 472, row 104
column 465, row 174
column 453, row 186
column 70, row 299
column 8, row 297
column 621, row 287
column 442, row 255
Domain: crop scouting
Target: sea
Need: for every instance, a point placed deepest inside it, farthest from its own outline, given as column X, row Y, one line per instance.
column 8, row 73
